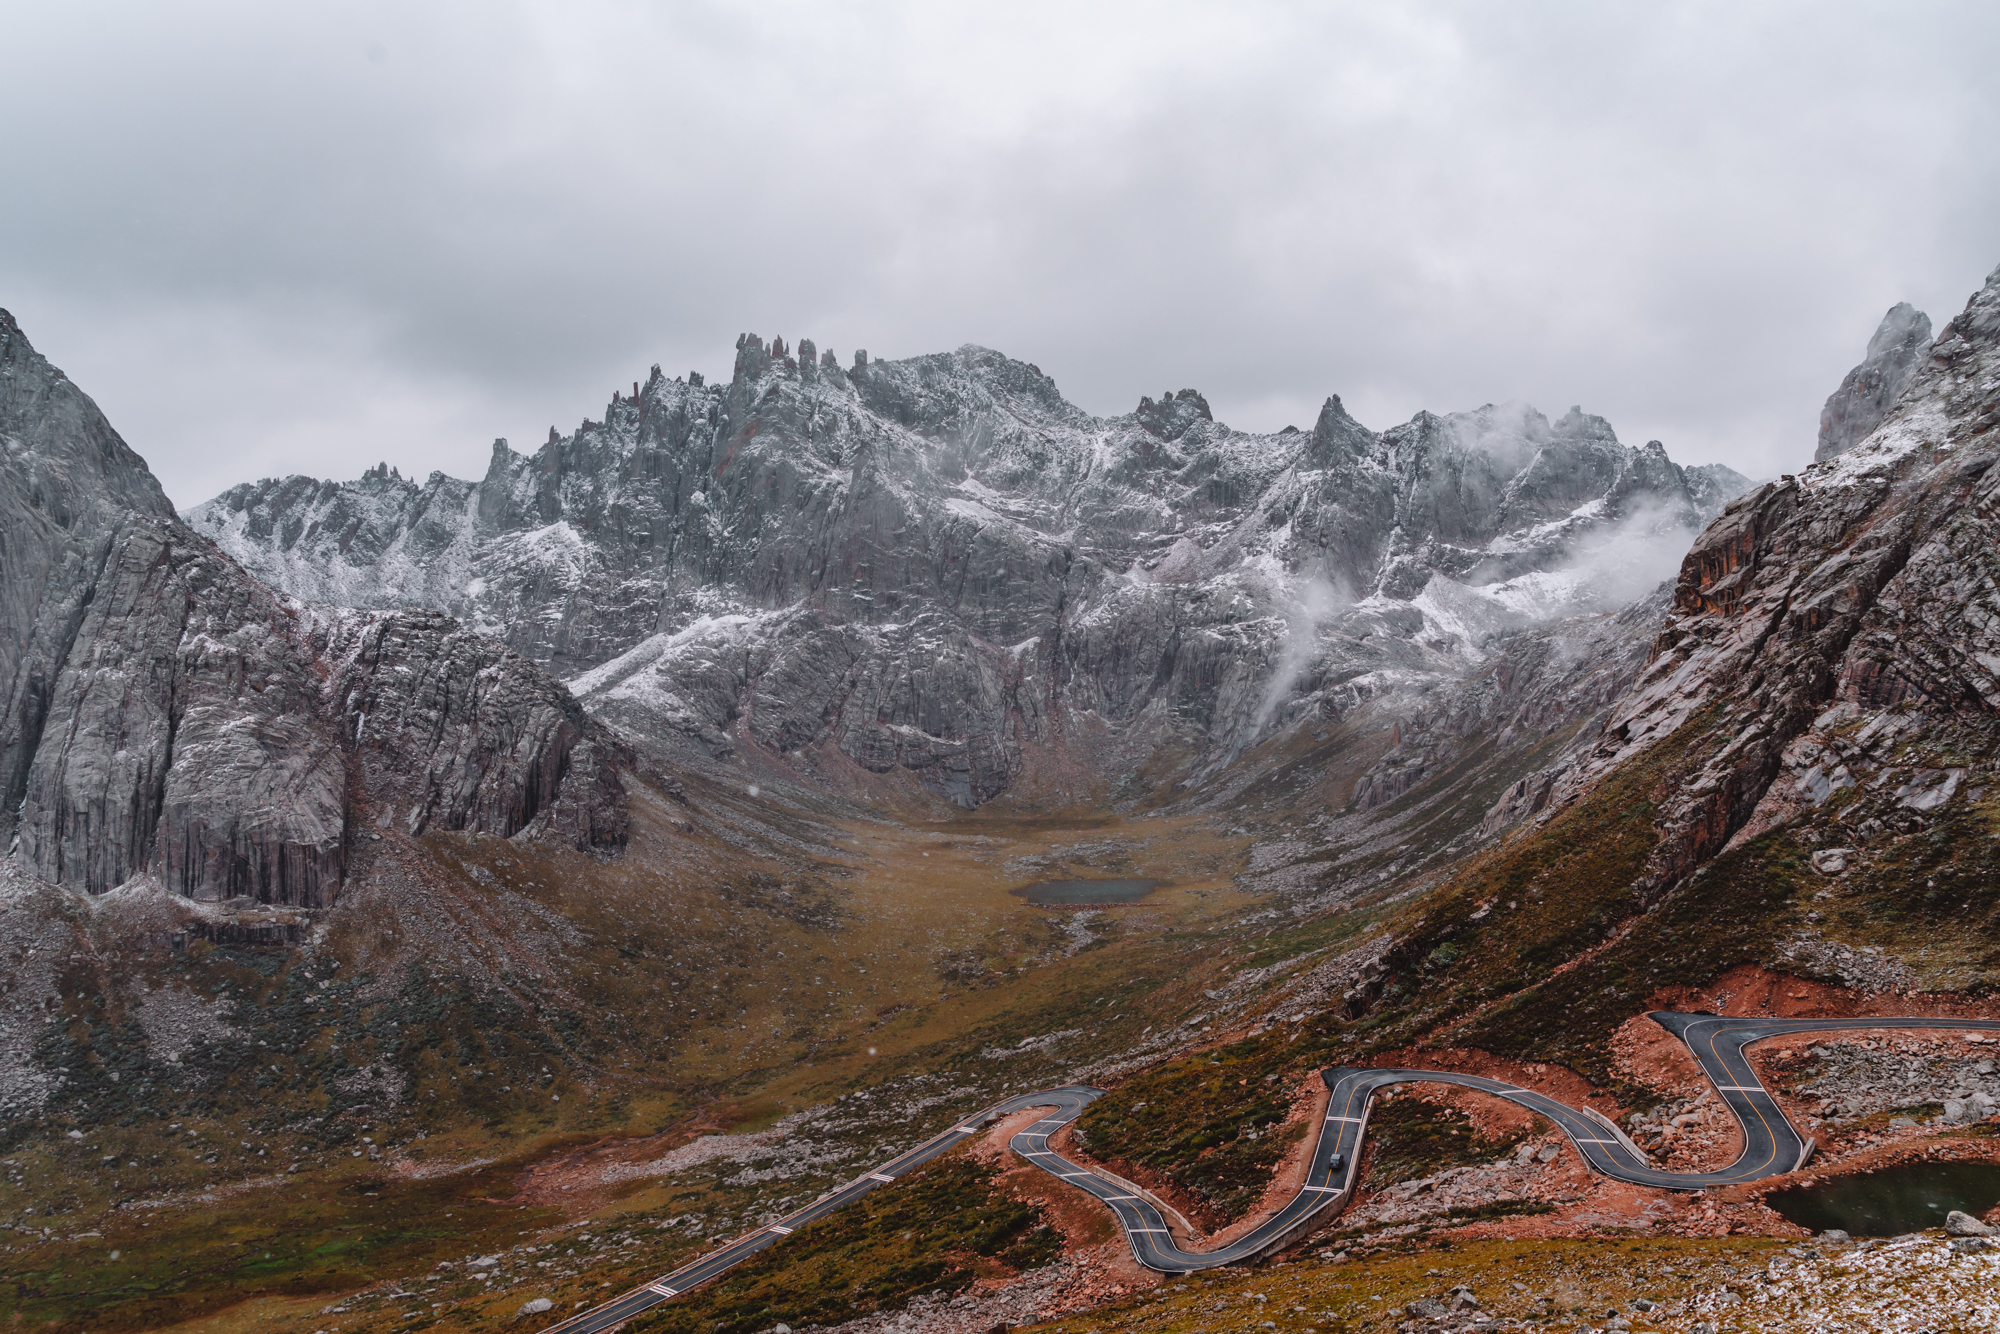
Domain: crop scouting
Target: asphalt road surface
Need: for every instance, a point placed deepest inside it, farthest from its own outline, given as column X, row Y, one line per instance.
column 1771, row 1147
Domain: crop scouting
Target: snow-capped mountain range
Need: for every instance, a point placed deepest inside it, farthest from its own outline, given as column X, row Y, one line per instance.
column 939, row 569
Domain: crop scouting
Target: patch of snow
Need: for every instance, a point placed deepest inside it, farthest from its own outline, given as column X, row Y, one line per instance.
column 727, row 628
column 1901, row 435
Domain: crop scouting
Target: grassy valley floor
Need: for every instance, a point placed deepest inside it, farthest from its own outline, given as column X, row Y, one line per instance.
column 376, row 1104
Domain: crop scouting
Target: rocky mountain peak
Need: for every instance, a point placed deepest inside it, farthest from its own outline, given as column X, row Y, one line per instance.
column 1173, row 414
column 946, row 563
column 1869, row 390
column 68, row 485
column 1576, row 424
column 167, row 714
column 1336, row 433
column 75, row 468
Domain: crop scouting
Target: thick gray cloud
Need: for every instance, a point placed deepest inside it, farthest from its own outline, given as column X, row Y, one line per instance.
column 277, row 238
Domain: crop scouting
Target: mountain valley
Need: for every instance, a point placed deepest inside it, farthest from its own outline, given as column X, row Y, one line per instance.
column 426, row 899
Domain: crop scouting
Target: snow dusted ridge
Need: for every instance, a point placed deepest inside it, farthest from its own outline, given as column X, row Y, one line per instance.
column 1824, row 620
column 941, row 567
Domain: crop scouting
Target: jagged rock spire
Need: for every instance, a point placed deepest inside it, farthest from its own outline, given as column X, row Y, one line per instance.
column 1871, row 389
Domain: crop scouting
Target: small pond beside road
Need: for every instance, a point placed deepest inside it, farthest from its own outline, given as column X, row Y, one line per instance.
column 1907, row 1197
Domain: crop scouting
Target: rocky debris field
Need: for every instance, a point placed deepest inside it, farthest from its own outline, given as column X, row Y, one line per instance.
column 979, row 1310
column 1915, row 1283
column 1922, row 1282
column 1687, row 1134
column 525, row 1271
column 1527, row 1181
column 1856, row 1078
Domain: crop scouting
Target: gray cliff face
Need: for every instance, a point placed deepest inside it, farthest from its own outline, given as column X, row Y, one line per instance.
column 168, row 713
column 68, row 487
column 939, row 570
column 1865, row 396
column 1829, row 627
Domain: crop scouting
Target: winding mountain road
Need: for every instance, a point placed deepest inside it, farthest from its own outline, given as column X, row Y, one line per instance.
column 1771, row 1147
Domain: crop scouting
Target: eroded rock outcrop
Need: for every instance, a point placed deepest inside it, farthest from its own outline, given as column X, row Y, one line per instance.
column 167, row 712
column 68, row 487
column 1825, row 617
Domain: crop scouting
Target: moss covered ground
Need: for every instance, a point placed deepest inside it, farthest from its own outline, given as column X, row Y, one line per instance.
column 1410, row 1136
column 1558, row 1282
column 279, row 1164
column 933, row 1232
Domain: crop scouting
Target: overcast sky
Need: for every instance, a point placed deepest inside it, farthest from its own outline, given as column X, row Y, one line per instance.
column 304, row 237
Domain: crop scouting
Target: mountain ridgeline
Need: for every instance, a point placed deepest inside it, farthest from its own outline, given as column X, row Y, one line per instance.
column 938, row 576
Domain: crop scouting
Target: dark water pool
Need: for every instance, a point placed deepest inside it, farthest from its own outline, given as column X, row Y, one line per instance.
column 1074, row 892
column 1892, row 1201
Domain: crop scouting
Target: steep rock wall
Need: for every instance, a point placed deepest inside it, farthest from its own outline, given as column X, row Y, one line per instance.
column 167, row 712
column 1866, row 584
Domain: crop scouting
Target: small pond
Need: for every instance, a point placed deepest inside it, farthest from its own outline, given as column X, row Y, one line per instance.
column 1895, row 1200
column 1075, row 893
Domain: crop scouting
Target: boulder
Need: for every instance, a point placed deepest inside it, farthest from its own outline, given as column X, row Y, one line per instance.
column 1961, row 1224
